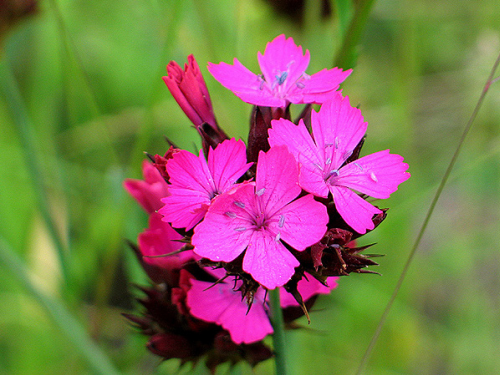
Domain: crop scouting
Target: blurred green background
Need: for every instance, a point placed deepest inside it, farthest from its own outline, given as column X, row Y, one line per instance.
column 88, row 79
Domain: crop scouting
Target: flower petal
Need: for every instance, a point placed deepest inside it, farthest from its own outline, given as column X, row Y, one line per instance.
column 191, row 189
column 277, row 179
column 302, row 223
column 222, row 305
column 246, row 85
column 337, row 128
column 227, row 163
column 224, row 233
column 377, row 175
column 319, row 87
column 301, row 145
column 148, row 192
column 355, row 211
column 282, row 64
column 268, row 261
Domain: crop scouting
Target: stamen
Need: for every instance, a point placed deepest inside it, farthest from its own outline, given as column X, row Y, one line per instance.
column 260, row 192
column 239, row 204
column 281, row 221
column 300, row 85
column 230, row 214
column 359, row 166
column 240, row 229
column 281, row 77
column 328, row 161
column 373, row 177
column 336, row 142
column 278, row 237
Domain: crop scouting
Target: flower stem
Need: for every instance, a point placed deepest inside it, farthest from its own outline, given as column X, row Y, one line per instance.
column 347, row 55
column 279, row 331
column 28, row 140
column 430, row 211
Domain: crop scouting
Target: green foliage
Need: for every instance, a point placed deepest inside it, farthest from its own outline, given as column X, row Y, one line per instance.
column 91, row 100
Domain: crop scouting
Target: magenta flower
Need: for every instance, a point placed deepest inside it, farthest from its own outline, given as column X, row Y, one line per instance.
column 190, row 91
column 283, row 78
column 148, row 192
column 194, row 182
column 336, row 130
column 258, row 217
column 222, row 304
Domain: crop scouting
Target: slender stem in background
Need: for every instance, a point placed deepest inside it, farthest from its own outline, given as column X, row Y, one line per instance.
column 28, row 140
column 62, row 318
column 279, row 331
column 347, row 56
column 381, row 323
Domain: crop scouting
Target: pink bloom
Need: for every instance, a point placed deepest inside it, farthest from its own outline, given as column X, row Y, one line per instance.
column 283, row 78
column 161, row 239
column 222, row 304
column 257, row 217
column 148, row 192
column 336, row 130
column 190, row 91
column 194, row 183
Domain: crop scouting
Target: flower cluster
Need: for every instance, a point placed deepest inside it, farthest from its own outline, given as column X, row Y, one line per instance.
column 234, row 221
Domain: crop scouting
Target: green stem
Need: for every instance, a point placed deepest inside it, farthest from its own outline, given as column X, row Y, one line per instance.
column 446, row 175
column 346, row 57
column 26, row 134
column 63, row 319
column 279, row 331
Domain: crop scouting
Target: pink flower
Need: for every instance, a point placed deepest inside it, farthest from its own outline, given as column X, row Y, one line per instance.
column 222, row 304
column 161, row 239
column 336, row 130
column 283, row 78
column 258, row 217
column 194, row 183
column 148, row 192
column 190, row 91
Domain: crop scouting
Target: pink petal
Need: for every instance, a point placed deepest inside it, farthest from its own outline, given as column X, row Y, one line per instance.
column 191, row 190
column 222, row 305
column 377, row 175
column 184, row 208
column 161, row 239
column 227, row 163
column 302, row 223
column 308, row 288
column 319, row 87
column 277, row 179
column 243, row 83
column 283, row 55
column 148, row 192
column 301, row 145
column 224, row 233
column 268, row 261
column 337, row 129
column 355, row 211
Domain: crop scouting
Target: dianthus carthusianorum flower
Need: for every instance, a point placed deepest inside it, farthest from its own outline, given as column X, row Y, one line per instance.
column 256, row 218
column 222, row 304
column 336, row 131
column 194, row 182
column 283, row 79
